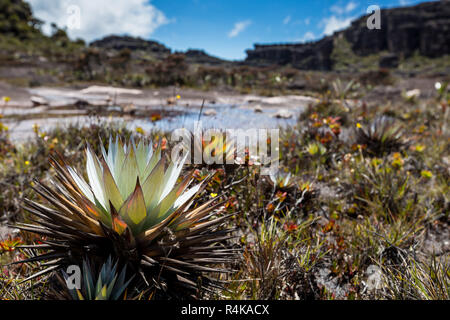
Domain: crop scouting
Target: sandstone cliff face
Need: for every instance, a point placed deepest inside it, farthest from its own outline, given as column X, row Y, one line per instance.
column 424, row 28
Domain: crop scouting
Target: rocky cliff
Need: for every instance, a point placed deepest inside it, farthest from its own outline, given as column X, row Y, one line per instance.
column 424, row 28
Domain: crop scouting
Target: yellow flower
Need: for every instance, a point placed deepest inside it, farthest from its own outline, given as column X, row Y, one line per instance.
column 178, row 97
column 398, row 160
column 420, row 129
column 27, row 163
column 213, row 195
column 376, row 162
column 36, row 128
column 140, row 130
column 6, row 99
column 358, row 125
column 426, row 174
column 316, row 148
column 420, row 147
column 3, row 127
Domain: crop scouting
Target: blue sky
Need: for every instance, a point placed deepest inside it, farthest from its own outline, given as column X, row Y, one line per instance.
column 224, row 28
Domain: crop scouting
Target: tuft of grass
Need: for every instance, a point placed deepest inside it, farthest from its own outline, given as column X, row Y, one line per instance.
column 418, row 280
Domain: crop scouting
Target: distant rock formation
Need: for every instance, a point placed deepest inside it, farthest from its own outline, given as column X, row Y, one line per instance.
column 156, row 49
column 201, row 57
column 125, row 42
column 423, row 28
column 309, row 56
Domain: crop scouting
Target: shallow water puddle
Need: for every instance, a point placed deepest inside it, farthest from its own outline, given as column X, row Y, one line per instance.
column 241, row 113
column 224, row 117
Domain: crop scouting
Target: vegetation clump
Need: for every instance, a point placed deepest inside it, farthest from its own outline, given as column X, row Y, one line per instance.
column 343, row 218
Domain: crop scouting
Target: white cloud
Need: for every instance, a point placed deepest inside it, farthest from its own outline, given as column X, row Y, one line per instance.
column 334, row 23
column 307, row 21
column 102, row 17
column 339, row 10
column 340, row 19
column 308, row 36
column 239, row 27
column 287, row 20
column 351, row 6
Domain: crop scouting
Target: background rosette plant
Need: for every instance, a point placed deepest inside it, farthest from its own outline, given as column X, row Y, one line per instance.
column 108, row 283
column 381, row 136
column 133, row 209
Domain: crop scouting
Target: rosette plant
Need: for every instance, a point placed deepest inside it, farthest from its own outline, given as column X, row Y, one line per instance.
column 134, row 208
column 297, row 192
column 282, row 181
column 219, row 147
column 381, row 136
column 109, row 284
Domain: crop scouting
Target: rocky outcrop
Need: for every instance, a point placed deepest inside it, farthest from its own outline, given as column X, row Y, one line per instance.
column 131, row 43
column 423, row 28
column 201, row 57
column 314, row 55
column 156, row 49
